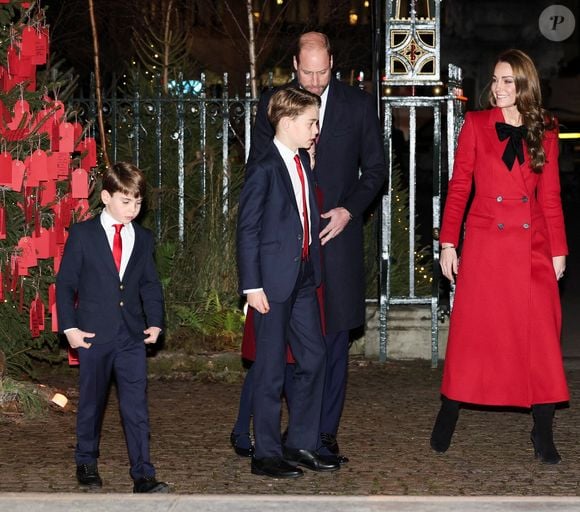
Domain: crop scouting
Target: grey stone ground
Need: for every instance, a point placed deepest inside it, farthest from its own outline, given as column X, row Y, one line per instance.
column 385, row 431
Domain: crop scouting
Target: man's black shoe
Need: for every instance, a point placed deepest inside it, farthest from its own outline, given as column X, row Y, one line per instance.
column 149, row 484
column 330, row 443
column 311, row 460
column 240, row 450
column 275, row 467
column 88, row 476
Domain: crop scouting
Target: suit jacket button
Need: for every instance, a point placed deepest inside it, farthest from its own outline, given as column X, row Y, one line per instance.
column 524, row 199
column 526, row 226
column 121, row 303
column 500, row 226
column 297, row 258
column 300, row 237
column 499, row 199
column 121, row 287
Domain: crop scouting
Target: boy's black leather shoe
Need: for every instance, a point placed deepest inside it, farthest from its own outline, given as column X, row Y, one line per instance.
column 149, row 484
column 88, row 476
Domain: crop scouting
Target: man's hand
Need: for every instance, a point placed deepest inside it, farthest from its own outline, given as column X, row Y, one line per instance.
column 339, row 218
column 259, row 301
column 76, row 338
column 152, row 335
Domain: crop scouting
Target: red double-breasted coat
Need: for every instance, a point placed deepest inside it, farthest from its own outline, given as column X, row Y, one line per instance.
column 504, row 335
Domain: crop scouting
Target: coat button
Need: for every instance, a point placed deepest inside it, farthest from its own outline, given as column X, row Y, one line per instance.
column 500, row 226
column 299, row 237
column 524, row 199
column 499, row 199
column 121, row 287
column 526, row 226
column 297, row 258
column 121, row 303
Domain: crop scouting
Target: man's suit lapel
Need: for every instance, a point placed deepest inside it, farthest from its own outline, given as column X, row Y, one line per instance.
column 331, row 115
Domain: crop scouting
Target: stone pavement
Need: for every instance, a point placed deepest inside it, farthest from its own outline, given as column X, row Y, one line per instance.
column 289, row 503
column 385, row 431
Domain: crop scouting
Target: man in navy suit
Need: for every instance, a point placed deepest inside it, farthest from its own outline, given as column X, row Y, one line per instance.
column 110, row 304
column 350, row 170
column 279, row 269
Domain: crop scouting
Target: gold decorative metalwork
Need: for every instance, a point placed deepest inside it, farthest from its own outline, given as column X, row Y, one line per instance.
column 412, row 44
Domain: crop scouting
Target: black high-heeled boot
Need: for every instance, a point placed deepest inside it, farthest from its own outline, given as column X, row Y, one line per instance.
column 542, row 435
column 444, row 425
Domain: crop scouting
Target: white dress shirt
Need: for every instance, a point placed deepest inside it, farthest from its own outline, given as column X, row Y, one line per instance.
column 323, row 102
column 127, row 237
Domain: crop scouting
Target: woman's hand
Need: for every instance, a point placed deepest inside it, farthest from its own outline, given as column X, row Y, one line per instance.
column 559, row 263
column 448, row 261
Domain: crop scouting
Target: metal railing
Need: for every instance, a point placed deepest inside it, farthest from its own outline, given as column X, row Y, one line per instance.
column 169, row 135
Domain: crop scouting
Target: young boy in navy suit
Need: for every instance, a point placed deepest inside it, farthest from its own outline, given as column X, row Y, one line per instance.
column 279, row 270
column 110, row 305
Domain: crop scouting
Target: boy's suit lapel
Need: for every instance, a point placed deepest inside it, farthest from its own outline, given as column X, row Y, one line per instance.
column 137, row 249
column 102, row 245
column 283, row 171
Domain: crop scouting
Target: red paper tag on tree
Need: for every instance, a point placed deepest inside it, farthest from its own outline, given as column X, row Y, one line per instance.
column 28, row 255
column 42, row 244
column 17, row 175
column 54, row 318
column 88, row 149
column 32, row 324
column 67, row 134
column 52, row 245
column 73, row 357
column 40, row 312
column 58, row 165
column 58, row 257
column 80, row 184
column 47, row 192
column 51, row 296
column 39, row 165
column 40, row 47
column 2, row 223
column 28, row 44
column 5, row 169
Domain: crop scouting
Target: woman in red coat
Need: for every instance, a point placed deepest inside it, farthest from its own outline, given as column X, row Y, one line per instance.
column 504, row 338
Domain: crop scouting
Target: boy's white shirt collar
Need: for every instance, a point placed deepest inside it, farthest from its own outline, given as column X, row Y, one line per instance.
column 285, row 151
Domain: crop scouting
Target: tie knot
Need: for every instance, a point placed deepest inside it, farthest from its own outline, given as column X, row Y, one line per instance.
column 118, row 227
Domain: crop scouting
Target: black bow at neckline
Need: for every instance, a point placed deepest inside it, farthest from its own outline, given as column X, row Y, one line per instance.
column 515, row 146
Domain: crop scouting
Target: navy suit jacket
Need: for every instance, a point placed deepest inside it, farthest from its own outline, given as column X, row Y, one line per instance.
column 89, row 293
column 269, row 234
column 350, row 140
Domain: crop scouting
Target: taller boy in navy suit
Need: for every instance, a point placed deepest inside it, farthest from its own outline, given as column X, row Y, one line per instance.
column 279, row 269
column 110, row 304
column 350, row 169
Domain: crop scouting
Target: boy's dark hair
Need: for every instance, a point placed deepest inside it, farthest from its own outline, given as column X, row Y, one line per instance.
column 125, row 178
column 290, row 102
